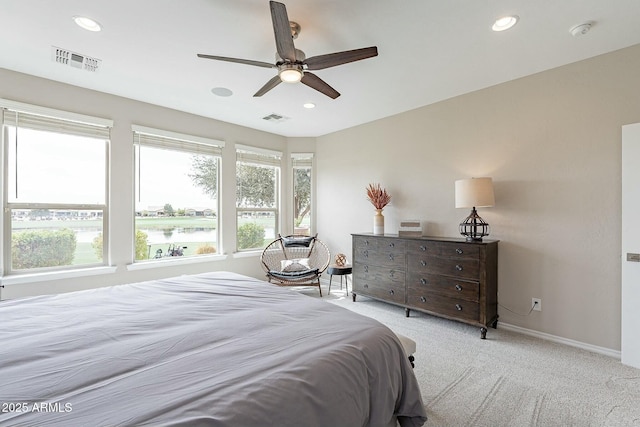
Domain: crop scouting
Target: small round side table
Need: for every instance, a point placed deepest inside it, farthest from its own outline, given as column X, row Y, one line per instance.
column 337, row 270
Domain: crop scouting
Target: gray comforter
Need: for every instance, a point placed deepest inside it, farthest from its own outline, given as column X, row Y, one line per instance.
column 216, row 349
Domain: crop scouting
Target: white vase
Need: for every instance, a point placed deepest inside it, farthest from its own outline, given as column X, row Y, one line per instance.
column 378, row 222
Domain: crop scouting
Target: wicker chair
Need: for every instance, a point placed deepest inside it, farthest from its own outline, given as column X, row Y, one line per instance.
column 295, row 261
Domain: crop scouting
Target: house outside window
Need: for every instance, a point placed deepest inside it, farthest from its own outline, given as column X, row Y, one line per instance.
column 257, row 196
column 177, row 187
column 302, row 169
column 55, row 187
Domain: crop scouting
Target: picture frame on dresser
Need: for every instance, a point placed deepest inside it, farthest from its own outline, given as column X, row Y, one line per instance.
column 445, row 277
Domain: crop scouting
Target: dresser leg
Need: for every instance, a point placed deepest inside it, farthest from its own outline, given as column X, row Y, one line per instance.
column 353, row 295
column 406, row 312
column 483, row 333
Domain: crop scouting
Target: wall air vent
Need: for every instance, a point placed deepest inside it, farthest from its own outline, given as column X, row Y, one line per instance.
column 275, row 118
column 76, row 60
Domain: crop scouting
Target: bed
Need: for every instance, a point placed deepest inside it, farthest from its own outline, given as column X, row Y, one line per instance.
column 214, row 349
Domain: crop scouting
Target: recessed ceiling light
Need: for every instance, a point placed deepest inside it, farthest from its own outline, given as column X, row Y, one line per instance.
column 505, row 22
column 581, row 30
column 309, row 105
column 221, row 91
column 87, row 23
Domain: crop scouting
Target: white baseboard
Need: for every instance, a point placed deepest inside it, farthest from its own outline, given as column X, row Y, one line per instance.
column 589, row 347
column 542, row 335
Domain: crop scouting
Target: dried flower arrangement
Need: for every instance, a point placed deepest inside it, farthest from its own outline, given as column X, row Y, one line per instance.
column 378, row 196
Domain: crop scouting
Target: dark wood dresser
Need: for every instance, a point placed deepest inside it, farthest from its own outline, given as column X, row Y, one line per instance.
column 449, row 278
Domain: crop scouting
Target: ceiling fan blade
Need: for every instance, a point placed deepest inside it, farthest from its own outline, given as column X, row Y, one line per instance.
column 268, row 86
column 238, row 60
column 282, row 31
column 332, row 59
column 320, row 85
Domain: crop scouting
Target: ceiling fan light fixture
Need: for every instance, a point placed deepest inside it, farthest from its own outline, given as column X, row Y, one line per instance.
column 505, row 22
column 87, row 23
column 290, row 75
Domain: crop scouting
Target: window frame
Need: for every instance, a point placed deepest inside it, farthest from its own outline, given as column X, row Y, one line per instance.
column 302, row 161
column 260, row 157
column 52, row 121
column 184, row 143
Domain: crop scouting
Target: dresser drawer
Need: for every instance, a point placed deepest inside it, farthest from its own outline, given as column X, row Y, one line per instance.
column 361, row 243
column 456, row 267
column 381, row 256
column 457, row 250
column 378, row 274
column 419, row 284
column 388, row 291
column 444, row 249
column 452, row 307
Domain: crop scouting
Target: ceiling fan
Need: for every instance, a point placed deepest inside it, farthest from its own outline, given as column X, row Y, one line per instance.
column 291, row 63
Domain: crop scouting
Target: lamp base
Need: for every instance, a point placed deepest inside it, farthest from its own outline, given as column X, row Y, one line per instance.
column 473, row 227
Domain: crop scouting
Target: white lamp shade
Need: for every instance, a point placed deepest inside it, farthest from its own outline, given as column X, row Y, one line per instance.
column 474, row 193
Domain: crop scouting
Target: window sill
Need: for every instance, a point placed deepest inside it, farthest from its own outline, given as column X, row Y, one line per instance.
column 248, row 254
column 55, row 275
column 145, row 265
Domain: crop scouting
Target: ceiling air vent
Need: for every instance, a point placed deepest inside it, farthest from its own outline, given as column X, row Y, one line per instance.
column 76, row 60
column 275, row 118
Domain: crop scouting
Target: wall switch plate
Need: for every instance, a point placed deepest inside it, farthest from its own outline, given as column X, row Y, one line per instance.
column 538, row 306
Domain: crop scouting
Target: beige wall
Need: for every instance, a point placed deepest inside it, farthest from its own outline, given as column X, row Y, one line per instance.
column 551, row 142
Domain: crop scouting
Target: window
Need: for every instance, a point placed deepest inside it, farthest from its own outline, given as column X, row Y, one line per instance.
column 55, row 189
column 302, row 168
column 177, row 183
column 257, row 196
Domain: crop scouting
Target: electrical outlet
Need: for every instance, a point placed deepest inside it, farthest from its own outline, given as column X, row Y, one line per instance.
column 536, row 304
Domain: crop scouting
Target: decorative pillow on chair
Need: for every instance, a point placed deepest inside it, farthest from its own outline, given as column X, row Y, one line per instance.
column 291, row 265
column 300, row 241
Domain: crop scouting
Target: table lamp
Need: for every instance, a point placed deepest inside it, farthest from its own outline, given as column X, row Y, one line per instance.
column 474, row 193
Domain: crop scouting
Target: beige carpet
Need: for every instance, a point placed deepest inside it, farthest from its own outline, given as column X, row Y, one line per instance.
column 509, row 379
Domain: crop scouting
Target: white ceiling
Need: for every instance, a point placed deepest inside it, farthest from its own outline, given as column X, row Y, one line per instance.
column 429, row 50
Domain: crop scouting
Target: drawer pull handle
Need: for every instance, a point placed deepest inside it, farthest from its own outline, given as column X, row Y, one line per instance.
column 458, row 307
column 391, row 257
column 365, row 253
column 366, row 243
column 423, row 263
column 458, row 267
column 459, row 251
column 391, row 291
column 423, row 281
column 366, row 286
column 392, row 245
column 423, row 248
column 366, row 268
column 423, row 299
column 392, row 273
column 458, row 288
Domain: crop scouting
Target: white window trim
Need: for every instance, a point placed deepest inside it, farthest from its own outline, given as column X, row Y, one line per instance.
column 177, row 136
column 18, row 279
column 153, row 264
column 58, row 114
column 273, row 159
column 216, row 145
column 64, row 271
column 258, row 150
